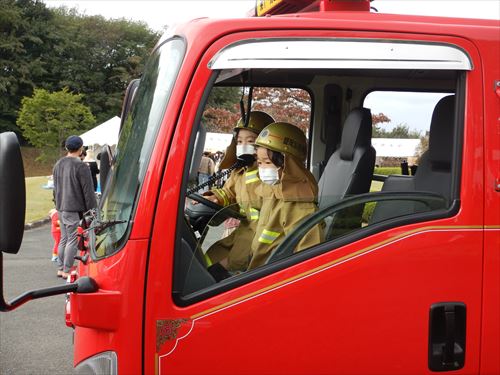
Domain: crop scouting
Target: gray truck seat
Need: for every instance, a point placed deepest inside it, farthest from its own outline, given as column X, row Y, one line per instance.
column 350, row 168
column 434, row 170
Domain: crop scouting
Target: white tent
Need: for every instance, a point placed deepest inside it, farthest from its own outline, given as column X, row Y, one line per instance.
column 395, row 147
column 217, row 141
column 106, row 133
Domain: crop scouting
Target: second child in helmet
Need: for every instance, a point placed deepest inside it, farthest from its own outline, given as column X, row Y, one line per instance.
column 288, row 190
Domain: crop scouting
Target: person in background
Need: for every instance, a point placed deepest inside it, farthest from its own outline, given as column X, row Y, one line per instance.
column 74, row 195
column 289, row 192
column 55, row 230
column 206, row 169
column 94, row 169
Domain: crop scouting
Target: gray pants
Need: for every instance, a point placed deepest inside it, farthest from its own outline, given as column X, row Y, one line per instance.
column 68, row 246
column 203, row 177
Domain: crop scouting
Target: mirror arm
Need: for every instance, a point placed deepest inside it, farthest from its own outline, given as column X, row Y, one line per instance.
column 81, row 285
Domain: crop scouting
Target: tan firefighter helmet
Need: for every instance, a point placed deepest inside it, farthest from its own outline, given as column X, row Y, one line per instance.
column 284, row 137
column 258, row 121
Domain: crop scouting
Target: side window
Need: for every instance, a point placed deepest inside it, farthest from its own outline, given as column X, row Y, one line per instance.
column 402, row 127
column 412, row 146
column 225, row 198
column 252, row 206
column 222, row 116
column 401, row 123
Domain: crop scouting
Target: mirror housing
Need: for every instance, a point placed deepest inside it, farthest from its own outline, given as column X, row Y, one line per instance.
column 106, row 161
column 12, row 194
column 127, row 101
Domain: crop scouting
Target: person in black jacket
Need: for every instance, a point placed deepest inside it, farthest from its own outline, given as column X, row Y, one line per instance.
column 74, row 195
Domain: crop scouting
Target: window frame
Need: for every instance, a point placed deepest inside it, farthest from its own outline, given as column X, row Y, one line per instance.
column 331, row 245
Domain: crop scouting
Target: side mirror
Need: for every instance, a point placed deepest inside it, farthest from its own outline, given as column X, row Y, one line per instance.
column 12, row 194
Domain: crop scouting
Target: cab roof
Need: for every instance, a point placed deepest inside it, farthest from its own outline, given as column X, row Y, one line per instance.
column 473, row 29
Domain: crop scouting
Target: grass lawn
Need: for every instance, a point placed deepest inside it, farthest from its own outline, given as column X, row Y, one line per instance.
column 376, row 186
column 38, row 200
column 370, row 206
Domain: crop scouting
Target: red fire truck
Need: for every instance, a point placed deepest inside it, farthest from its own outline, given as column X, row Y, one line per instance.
column 407, row 279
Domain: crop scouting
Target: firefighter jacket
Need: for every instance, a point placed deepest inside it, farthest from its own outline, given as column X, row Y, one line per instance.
column 238, row 191
column 284, row 205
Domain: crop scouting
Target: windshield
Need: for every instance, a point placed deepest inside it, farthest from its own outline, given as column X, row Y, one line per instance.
column 136, row 143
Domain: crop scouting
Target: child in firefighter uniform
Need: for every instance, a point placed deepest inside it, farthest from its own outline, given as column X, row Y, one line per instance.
column 288, row 190
column 233, row 251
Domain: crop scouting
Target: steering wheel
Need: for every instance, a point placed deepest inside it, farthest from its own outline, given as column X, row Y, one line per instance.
column 219, row 210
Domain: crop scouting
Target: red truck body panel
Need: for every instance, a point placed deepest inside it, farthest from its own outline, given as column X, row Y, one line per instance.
column 356, row 309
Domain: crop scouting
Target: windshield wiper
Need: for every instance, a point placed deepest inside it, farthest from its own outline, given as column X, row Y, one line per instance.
column 103, row 225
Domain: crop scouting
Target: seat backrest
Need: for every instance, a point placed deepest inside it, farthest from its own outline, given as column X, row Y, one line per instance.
column 434, row 170
column 350, row 168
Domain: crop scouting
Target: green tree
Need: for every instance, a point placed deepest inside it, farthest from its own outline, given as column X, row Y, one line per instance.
column 283, row 104
column 222, row 109
column 224, row 97
column 290, row 105
column 56, row 48
column 399, row 131
column 99, row 57
column 403, row 131
column 24, row 36
column 47, row 119
column 378, row 119
column 422, row 146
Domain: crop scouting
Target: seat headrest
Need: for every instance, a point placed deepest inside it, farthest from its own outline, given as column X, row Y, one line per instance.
column 441, row 132
column 357, row 132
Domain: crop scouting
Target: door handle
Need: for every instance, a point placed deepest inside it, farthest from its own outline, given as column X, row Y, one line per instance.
column 447, row 322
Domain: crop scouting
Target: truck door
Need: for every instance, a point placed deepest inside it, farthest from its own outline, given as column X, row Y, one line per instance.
column 397, row 292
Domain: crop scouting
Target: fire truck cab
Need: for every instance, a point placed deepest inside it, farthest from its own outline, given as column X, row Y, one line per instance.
column 407, row 277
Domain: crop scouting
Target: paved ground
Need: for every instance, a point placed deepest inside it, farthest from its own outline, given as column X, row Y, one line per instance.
column 34, row 338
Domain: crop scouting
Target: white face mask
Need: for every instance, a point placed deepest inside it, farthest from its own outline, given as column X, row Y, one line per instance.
column 269, row 175
column 245, row 150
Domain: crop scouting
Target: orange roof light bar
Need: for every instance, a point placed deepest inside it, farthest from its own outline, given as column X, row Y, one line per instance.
column 275, row 7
